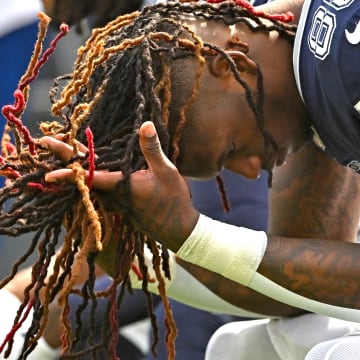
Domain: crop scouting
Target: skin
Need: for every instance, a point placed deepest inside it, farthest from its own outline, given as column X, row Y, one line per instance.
column 308, row 194
column 239, row 144
column 314, row 208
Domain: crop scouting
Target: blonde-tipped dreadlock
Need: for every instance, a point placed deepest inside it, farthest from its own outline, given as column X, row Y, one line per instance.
column 122, row 77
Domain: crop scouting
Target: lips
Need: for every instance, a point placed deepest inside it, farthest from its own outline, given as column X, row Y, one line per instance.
column 248, row 166
column 251, row 165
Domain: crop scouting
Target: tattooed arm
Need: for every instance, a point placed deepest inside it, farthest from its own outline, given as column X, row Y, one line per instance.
column 312, row 198
column 313, row 222
column 315, row 198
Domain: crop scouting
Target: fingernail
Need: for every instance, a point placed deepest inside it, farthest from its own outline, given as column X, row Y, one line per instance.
column 43, row 144
column 50, row 179
column 149, row 130
column 149, row 133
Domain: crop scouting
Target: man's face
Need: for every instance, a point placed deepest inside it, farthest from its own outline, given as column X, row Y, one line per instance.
column 221, row 130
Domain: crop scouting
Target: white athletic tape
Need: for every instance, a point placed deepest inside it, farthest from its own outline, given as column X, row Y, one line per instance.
column 236, row 253
column 231, row 251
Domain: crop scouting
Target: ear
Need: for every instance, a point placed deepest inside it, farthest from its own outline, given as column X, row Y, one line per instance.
column 219, row 66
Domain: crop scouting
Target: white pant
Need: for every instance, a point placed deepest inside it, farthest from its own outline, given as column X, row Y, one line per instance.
column 310, row 337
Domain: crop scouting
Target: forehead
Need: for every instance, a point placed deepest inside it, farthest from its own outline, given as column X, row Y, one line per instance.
column 218, row 33
column 215, row 32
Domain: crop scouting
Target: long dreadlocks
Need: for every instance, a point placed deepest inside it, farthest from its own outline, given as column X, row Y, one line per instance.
column 122, row 77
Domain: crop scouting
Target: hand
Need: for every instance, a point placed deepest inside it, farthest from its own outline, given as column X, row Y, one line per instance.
column 160, row 200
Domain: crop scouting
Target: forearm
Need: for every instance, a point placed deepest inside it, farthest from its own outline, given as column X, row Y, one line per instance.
column 198, row 287
column 323, row 270
column 225, row 257
column 311, row 198
column 188, row 289
column 239, row 295
column 294, row 264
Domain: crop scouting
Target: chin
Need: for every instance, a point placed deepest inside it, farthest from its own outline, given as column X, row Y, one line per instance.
column 198, row 172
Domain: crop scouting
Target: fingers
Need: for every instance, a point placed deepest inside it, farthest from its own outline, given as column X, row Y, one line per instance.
column 151, row 149
column 158, row 163
column 81, row 147
column 102, row 180
column 58, row 147
column 60, row 175
column 106, row 181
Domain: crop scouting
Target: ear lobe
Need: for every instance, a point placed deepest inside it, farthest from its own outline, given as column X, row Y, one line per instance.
column 243, row 62
column 219, row 66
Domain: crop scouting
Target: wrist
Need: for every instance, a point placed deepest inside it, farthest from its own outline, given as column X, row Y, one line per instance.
column 231, row 251
column 186, row 226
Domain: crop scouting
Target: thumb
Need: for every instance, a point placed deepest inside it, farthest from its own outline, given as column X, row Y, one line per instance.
column 151, row 149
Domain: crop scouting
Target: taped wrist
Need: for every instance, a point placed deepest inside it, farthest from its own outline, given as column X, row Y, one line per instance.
column 231, row 251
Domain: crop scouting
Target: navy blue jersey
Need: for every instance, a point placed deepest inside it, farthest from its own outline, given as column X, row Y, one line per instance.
column 327, row 69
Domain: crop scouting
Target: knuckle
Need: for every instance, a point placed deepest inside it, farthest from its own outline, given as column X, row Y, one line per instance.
column 153, row 148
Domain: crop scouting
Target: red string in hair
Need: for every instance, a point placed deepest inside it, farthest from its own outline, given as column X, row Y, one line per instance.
column 8, row 169
column 46, row 189
column 17, row 326
column 64, row 29
column 137, row 271
column 286, row 18
column 90, row 140
column 10, row 111
column 114, row 326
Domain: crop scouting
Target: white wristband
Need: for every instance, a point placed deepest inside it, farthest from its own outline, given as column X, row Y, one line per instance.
column 231, row 251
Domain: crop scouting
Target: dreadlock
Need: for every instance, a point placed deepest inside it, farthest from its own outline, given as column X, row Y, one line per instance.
column 122, row 77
